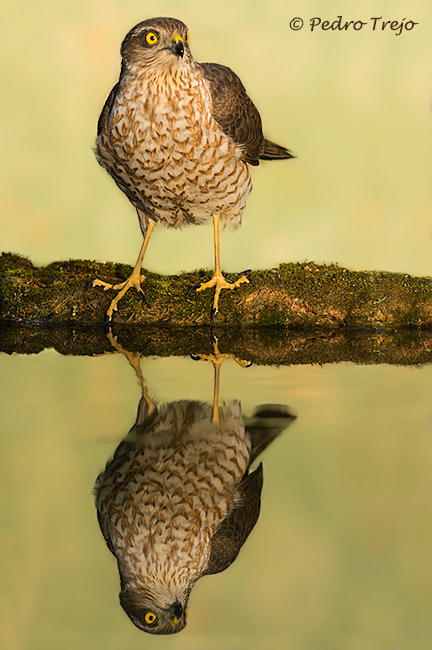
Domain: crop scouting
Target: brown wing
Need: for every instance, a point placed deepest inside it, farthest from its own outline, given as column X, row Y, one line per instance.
column 235, row 529
column 105, row 533
column 104, row 116
column 234, row 111
column 237, row 116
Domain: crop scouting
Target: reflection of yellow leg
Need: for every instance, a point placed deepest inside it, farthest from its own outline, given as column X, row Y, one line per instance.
column 217, row 360
column 218, row 281
column 134, row 280
column 216, row 384
column 134, row 360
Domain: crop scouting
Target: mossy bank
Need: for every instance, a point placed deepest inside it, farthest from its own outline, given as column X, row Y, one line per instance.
column 292, row 296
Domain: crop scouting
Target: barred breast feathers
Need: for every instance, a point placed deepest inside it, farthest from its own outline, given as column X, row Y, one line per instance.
column 165, row 151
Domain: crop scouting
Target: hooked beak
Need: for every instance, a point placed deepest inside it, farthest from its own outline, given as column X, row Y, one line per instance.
column 176, row 612
column 177, row 46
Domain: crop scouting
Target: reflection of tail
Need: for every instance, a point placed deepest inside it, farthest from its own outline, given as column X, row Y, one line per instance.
column 265, row 425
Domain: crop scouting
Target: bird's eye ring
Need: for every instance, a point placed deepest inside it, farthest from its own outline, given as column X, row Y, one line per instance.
column 151, row 38
column 150, row 618
column 187, row 38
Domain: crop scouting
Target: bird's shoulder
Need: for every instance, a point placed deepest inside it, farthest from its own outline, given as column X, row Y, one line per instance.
column 105, row 531
column 104, row 116
column 234, row 111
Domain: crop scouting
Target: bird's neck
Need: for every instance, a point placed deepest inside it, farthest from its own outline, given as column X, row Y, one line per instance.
column 173, row 73
column 163, row 587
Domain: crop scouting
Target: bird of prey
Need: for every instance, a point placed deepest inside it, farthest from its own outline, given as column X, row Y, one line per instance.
column 178, row 500
column 177, row 137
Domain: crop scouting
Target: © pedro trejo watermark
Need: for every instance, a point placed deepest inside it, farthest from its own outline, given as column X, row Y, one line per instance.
column 376, row 24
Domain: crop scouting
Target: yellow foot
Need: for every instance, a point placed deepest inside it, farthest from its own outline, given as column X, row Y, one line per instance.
column 218, row 281
column 133, row 280
column 217, row 360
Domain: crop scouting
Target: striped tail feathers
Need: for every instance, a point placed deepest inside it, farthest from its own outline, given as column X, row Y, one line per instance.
column 273, row 151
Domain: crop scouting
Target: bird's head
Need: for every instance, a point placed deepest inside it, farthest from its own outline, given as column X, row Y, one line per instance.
column 159, row 43
column 143, row 610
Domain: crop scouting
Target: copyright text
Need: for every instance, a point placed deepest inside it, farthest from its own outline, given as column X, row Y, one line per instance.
column 376, row 24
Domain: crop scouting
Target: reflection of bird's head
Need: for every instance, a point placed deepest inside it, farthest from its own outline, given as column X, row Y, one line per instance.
column 158, row 43
column 142, row 608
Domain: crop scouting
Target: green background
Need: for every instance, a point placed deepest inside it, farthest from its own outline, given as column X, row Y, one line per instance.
column 355, row 107
column 341, row 556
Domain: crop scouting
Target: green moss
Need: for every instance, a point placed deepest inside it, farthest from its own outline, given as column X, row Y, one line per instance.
column 272, row 316
column 294, row 295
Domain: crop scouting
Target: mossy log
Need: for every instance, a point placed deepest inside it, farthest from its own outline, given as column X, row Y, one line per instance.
column 298, row 313
column 293, row 296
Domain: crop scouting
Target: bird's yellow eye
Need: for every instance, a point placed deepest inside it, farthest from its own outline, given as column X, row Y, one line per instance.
column 187, row 38
column 150, row 618
column 151, row 38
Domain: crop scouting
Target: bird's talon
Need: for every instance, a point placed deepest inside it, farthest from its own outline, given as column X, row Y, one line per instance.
column 193, row 288
column 107, row 327
column 142, row 296
column 246, row 275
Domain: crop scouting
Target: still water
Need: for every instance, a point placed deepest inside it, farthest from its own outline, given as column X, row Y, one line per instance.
column 340, row 557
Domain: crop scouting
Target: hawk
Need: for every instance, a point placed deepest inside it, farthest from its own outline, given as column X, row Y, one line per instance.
column 177, row 137
column 178, row 500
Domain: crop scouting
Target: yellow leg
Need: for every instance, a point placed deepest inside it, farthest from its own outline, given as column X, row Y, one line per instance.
column 218, row 281
column 147, row 406
column 134, row 280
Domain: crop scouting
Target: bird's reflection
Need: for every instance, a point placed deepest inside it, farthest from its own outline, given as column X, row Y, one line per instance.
column 178, row 500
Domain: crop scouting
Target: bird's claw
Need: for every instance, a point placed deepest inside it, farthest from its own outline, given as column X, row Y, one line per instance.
column 194, row 287
column 142, row 296
column 247, row 275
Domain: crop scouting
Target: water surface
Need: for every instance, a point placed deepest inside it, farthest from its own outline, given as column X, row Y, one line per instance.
column 340, row 556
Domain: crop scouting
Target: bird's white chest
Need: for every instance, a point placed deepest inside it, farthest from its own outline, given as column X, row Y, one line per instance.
column 167, row 153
